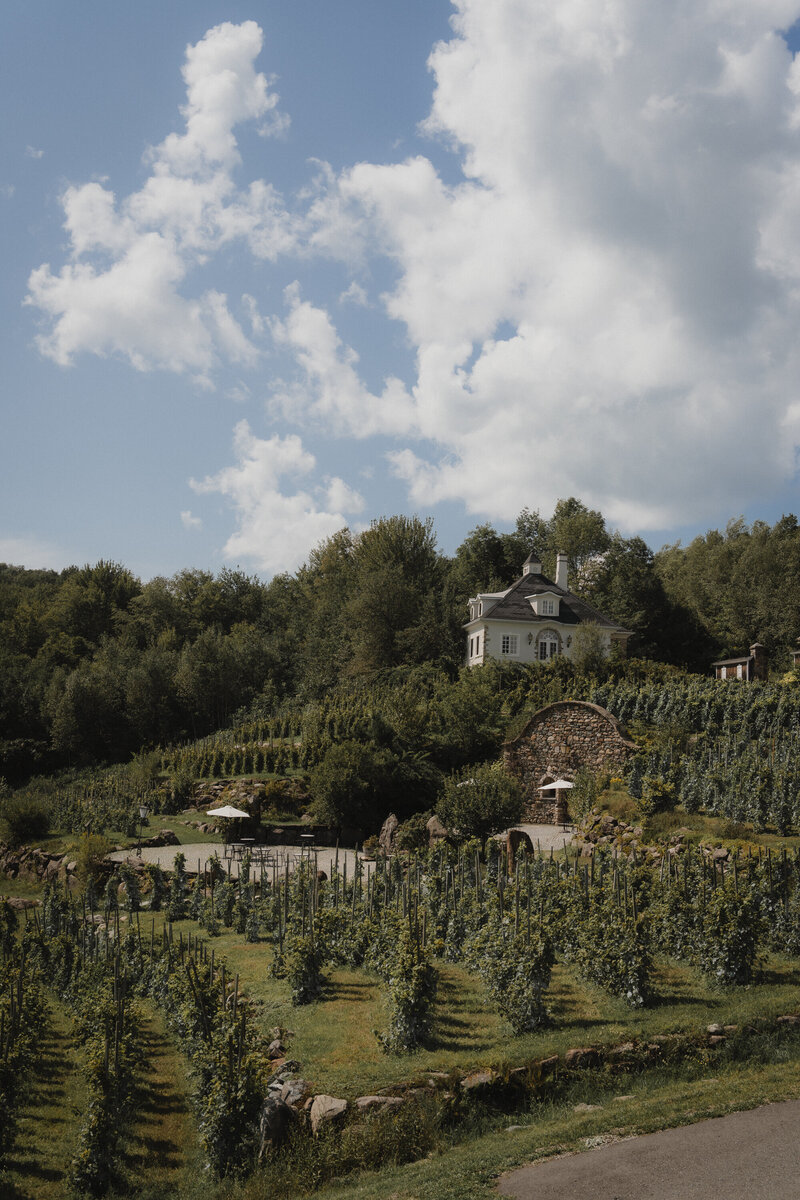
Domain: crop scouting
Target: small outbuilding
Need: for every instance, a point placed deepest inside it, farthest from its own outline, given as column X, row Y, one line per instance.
column 750, row 666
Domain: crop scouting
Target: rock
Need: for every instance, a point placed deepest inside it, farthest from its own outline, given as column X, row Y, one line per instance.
column 20, row 902
column 324, row 1110
column 788, row 1019
column 72, row 867
column 478, row 1079
column 168, row 838
column 386, row 837
column 582, row 1108
column 716, row 1039
column 731, row 1028
column 621, row 1051
column 274, row 1123
column 582, row 1056
column 436, row 831
column 295, row 1092
column 713, row 1028
column 276, row 1049
column 621, row 1098
column 721, row 855
column 548, row 1065
column 364, row 1103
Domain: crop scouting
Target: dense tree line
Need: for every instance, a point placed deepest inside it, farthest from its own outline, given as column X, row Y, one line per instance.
column 95, row 664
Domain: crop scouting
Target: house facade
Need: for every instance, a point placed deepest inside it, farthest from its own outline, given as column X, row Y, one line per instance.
column 533, row 620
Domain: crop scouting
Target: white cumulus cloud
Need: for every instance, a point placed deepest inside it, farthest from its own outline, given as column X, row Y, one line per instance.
column 123, row 290
column 606, row 304
column 275, row 530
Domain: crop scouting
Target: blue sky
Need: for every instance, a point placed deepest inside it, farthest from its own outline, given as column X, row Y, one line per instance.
column 273, row 268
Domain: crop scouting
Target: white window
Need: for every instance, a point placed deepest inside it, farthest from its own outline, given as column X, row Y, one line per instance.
column 548, row 608
column 508, row 644
column 738, row 670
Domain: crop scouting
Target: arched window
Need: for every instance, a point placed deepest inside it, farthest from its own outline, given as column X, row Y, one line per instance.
column 548, row 645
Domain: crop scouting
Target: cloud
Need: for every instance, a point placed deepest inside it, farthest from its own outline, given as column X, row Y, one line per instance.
column 122, row 293
column 31, row 152
column 609, row 296
column 190, row 522
column 604, row 301
column 330, row 388
column 275, row 530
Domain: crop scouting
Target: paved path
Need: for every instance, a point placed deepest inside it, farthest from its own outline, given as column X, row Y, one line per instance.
column 542, row 837
column 547, row 837
column 203, row 851
column 746, row 1156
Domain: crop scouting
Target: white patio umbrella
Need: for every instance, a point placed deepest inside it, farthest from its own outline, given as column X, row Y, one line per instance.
column 229, row 812
column 556, row 785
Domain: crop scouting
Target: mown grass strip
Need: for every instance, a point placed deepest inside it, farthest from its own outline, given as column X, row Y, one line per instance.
column 162, row 1145
column 50, row 1117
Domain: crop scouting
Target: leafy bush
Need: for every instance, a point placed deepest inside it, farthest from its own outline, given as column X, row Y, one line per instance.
column 23, row 820
column 482, row 800
column 413, row 833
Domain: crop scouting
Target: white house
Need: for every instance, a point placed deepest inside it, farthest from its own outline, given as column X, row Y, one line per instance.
column 533, row 620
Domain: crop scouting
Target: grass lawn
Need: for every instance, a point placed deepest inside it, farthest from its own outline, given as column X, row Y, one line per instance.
column 162, row 1152
column 335, row 1043
column 49, row 1119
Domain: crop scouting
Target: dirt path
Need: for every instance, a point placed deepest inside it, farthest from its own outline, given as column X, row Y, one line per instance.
column 50, row 1118
column 751, row 1155
column 162, row 1145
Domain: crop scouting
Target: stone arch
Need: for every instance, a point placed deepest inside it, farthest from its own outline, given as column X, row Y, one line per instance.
column 558, row 741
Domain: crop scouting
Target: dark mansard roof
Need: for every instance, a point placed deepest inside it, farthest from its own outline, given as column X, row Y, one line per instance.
column 515, row 606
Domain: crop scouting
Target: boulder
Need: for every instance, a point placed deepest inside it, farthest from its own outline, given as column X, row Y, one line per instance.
column 386, row 837
column 364, row 1103
column 436, row 831
column 274, row 1123
column 295, row 1092
column 276, row 1049
column 478, row 1079
column 324, row 1110
column 582, row 1056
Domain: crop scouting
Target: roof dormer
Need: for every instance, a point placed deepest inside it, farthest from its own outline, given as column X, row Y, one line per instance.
column 545, row 604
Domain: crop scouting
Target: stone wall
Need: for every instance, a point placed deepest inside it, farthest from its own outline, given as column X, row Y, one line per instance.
column 557, row 741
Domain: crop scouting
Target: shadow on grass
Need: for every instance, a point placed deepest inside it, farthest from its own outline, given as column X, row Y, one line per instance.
column 779, row 978
column 337, row 990
column 157, row 1100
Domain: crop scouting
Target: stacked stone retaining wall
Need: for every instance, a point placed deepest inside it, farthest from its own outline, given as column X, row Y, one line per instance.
column 556, row 743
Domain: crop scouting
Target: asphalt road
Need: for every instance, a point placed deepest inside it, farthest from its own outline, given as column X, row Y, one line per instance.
column 745, row 1156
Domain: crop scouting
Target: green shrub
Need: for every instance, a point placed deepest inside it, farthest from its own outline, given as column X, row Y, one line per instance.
column 413, row 833
column 23, row 820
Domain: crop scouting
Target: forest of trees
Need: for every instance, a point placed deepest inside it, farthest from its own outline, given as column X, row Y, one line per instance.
column 96, row 665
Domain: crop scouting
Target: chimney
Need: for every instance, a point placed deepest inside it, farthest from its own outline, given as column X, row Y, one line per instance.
column 532, row 565
column 561, row 572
